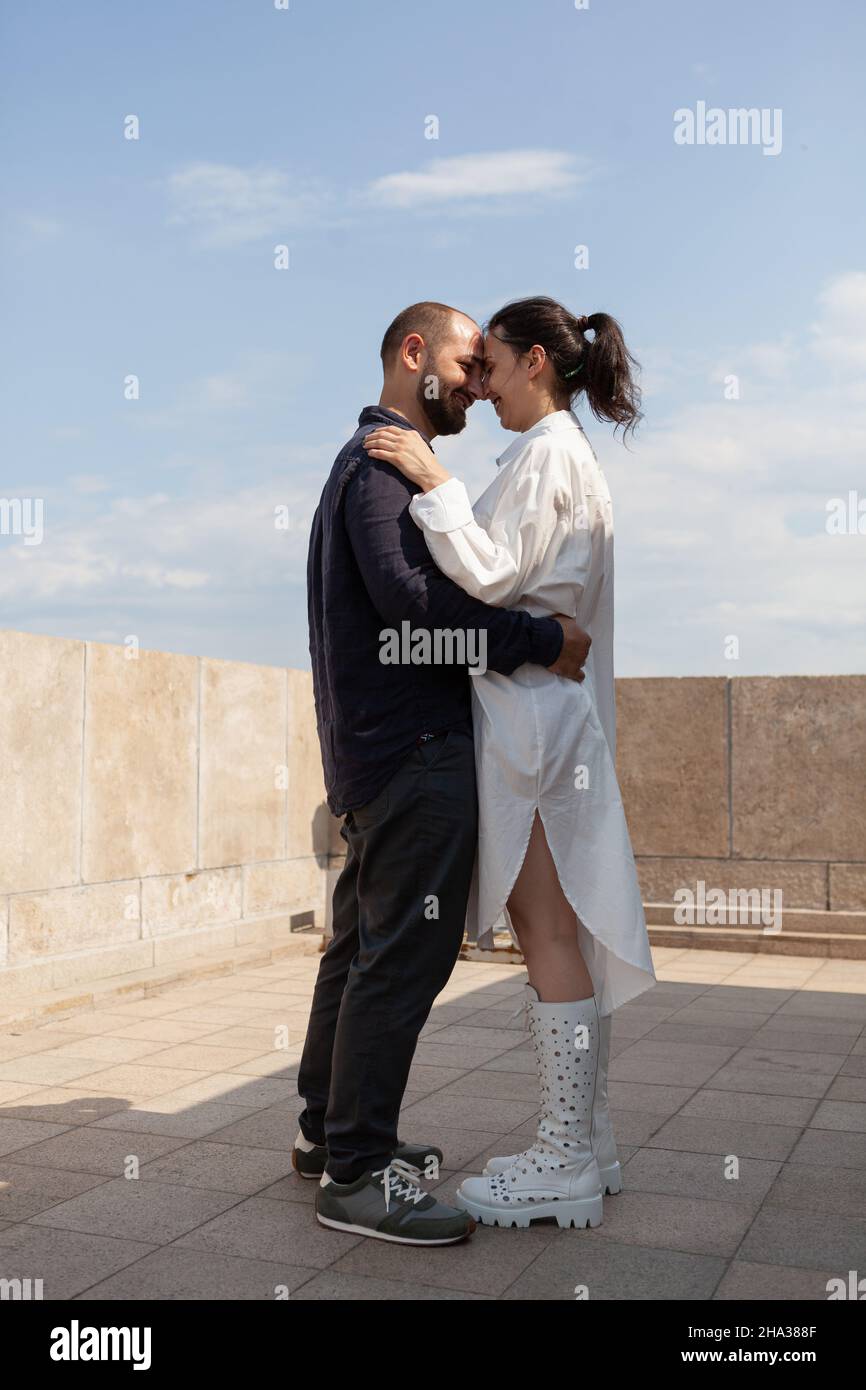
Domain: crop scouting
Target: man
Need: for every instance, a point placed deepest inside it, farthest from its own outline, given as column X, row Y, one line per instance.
column 399, row 765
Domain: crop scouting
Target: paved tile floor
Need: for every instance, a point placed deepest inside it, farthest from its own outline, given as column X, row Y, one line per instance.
column 738, row 1089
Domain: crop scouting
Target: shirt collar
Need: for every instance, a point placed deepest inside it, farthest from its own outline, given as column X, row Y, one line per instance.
column 381, row 415
column 554, row 423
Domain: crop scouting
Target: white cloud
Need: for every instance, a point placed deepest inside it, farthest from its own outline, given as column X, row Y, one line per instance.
column 840, row 332
column 226, row 205
column 476, row 178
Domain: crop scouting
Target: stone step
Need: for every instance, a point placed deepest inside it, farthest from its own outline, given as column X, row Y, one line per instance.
column 836, row 945
column 797, row 919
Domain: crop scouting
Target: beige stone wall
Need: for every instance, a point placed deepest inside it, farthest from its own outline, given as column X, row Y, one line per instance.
column 152, row 807
column 158, row 807
column 752, row 782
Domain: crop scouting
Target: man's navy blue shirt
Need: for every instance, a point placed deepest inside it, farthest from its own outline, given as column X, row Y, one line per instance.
column 368, row 568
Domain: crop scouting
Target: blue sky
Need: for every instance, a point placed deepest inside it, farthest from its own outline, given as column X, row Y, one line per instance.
column 306, row 127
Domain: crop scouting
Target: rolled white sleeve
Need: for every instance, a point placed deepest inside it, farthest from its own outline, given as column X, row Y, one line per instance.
column 443, row 508
column 530, row 535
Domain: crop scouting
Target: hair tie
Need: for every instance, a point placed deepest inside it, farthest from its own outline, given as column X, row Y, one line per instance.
column 582, row 323
column 566, row 376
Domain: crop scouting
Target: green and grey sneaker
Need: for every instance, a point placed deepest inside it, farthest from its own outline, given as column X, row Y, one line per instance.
column 387, row 1203
column 308, row 1160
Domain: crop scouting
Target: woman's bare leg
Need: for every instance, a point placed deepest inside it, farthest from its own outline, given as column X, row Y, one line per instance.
column 546, row 926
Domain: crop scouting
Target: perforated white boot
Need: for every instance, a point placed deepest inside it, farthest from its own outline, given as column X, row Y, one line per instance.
column 558, row 1174
column 603, row 1142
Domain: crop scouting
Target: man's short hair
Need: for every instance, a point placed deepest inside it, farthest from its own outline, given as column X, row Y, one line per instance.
column 431, row 320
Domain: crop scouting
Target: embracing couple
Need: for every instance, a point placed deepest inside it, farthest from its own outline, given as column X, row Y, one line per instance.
column 471, row 795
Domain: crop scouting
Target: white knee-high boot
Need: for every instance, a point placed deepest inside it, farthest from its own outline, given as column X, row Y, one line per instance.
column 603, row 1142
column 558, row 1174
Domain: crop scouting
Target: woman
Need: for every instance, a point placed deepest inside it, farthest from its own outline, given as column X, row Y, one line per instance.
column 553, row 848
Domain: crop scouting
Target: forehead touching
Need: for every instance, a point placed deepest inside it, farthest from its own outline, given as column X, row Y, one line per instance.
column 463, row 339
column 494, row 349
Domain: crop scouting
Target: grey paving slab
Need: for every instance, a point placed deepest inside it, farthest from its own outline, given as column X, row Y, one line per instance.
column 795, row 1039
column 204, row 1057
column 683, row 1174
column 743, row 1138
column 487, row 1262
column 697, row 1015
column 493, row 1085
column 817, row 1027
column 848, row 1088
column 586, row 1265
column 208, row 1117
column 247, row 1093
column 697, row 1225
column 520, row 1060
column 771, row 1080
column 810, row 1187
column 260, row 1228
column 832, row 1147
column 145, row 1079
column 632, row 1019
column 67, row 1262
column 496, row 1040
column 468, row 1112
column 26, row 1189
column 430, row 1079
column 106, row 1049
column 840, row 1114
column 16, row 1135
column 710, row 1104
column 759, row 1000
column 826, row 1004
column 645, row 1096
column 221, row 1167
column 670, row 1063
column 810, row 1240
column 291, row 1187
column 135, row 1210
column 708, row 1032
column 272, row 1128
column 751, row 1282
column 45, row 1069
column 330, row 1286
column 159, row 1030
column 90, row 1149
column 173, row 1273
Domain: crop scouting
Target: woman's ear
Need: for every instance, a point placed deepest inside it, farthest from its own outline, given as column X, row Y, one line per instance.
column 537, row 358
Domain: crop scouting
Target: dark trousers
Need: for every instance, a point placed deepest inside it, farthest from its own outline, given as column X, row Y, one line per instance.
column 399, row 912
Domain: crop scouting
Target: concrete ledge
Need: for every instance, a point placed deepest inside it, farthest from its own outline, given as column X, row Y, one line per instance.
column 29, row 1010
column 798, row 919
column 842, row 946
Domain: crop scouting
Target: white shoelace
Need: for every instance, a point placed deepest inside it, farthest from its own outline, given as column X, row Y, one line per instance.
column 398, row 1179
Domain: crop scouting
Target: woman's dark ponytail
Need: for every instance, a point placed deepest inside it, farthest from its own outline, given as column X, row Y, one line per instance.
column 608, row 375
column 602, row 366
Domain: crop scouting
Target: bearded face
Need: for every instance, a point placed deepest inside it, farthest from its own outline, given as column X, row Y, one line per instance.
column 444, row 403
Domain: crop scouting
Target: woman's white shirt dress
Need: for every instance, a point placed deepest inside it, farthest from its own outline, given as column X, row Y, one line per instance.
column 540, row 538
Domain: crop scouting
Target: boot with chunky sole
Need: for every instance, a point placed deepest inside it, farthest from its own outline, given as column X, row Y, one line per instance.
column 558, row 1175
column 603, row 1142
